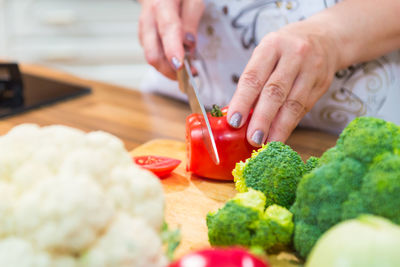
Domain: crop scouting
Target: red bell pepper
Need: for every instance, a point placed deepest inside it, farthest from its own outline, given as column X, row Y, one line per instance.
column 229, row 257
column 160, row 166
column 231, row 144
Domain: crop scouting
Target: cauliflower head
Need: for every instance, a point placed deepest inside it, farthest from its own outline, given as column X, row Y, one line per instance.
column 69, row 198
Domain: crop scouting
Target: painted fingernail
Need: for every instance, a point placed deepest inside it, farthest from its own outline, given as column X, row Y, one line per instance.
column 190, row 39
column 258, row 137
column 176, row 63
column 235, row 120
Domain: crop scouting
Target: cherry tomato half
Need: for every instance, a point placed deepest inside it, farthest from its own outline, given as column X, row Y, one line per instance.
column 160, row 166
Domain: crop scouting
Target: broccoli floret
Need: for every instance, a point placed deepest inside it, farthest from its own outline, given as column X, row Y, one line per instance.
column 375, row 136
column 305, row 234
column 361, row 174
column 332, row 154
column 243, row 221
column 236, row 222
column 275, row 229
column 275, row 169
column 281, row 223
column 381, row 187
column 311, row 164
column 353, row 206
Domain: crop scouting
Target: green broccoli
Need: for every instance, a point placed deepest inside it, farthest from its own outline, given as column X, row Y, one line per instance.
column 275, row 169
column 381, row 187
column 311, row 164
column 374, row 136
column 361, row 174
column 244, row 221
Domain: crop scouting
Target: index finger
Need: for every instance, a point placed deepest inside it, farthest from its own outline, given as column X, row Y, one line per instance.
column 251, row 82
column 170, row 29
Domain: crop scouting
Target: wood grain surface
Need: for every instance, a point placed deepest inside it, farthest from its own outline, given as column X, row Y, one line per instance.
column 189, row 198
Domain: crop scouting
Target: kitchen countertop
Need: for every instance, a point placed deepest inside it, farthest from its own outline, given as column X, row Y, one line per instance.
column 133, row 116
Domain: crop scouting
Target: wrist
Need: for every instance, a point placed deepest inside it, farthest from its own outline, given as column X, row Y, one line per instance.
column 348, row 44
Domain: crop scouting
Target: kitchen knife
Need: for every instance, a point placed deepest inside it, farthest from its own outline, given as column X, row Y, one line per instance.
column 188, row 85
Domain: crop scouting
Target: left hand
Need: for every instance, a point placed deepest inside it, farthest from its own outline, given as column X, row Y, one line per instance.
column 287, row 73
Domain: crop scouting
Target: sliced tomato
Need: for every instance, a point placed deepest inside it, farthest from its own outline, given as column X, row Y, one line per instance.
column 160, row 166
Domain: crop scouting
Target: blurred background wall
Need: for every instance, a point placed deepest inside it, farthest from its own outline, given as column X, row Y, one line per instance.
column 95, row 39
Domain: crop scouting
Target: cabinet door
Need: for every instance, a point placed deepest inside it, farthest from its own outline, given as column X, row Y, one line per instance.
column 74, row 31
column 73, row 17
column 78, row 50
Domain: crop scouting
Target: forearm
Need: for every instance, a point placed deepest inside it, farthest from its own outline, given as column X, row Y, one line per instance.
column 362, row 29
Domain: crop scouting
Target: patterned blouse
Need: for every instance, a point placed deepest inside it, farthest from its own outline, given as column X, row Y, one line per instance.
column 231, row 29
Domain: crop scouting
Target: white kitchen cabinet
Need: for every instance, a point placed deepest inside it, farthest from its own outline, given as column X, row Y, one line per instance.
column 94, row 39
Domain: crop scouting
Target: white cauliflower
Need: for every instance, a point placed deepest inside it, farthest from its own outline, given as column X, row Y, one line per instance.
column 119, row 246
column 73, row 199
column 18, row 252
column 7, row 200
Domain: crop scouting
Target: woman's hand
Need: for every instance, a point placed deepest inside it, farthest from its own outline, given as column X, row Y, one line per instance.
column 164, row 27
column 288, row 72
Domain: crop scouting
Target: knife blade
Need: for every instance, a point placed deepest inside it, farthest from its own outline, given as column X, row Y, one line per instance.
column 188, row 85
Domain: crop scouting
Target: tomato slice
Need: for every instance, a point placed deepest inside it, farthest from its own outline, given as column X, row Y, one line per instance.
column 160, row 166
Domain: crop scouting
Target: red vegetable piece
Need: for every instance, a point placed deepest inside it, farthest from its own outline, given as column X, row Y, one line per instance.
column 231, row 144
column 160, row 166
column 221, row 257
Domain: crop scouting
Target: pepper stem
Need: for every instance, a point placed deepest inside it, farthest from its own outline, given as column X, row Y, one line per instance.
column 216, row 111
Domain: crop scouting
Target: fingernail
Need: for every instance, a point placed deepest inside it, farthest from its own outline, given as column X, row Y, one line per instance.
column 176, row 63
column 258, row 137
column 190, row 39
column 235, row 120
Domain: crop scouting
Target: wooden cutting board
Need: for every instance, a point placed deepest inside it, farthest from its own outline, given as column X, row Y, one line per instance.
column 189, row 199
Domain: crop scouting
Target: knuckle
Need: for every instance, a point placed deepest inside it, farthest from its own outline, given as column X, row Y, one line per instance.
column 251, row 81
column 272, row 39
column 302, row 47
column 318, row 63
column 275, row 92
column 168, row 26
column 152, row 58
column 155, row 5
column 295, row 107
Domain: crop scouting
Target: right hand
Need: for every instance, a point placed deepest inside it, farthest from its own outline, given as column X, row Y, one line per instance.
column 165, row 26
